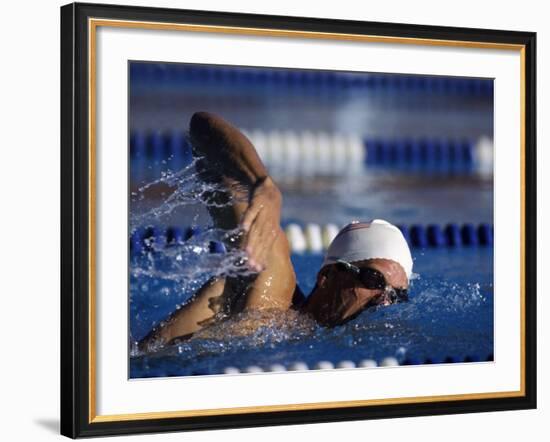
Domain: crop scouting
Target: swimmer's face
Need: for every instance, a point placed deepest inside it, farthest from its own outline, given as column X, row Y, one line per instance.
column 340, row 295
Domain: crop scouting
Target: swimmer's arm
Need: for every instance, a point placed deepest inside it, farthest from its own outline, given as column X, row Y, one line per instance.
column 191, row 317
column 227, row 150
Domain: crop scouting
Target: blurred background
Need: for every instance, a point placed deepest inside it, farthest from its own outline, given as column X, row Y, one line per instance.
column 408, row 148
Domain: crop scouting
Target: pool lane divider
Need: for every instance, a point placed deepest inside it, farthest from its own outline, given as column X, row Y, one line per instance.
column 160, row 146
column 314, row 238
column 291, row 153
column 154, row 75
column 389, row 361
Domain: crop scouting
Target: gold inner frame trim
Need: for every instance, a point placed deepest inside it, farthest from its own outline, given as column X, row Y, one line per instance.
column 92, row 28
column 294, row 407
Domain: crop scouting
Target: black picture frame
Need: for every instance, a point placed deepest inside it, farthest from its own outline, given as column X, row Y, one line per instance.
column 76, row 417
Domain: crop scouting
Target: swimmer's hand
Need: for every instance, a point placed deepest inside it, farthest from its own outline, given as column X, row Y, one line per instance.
column 261, row 222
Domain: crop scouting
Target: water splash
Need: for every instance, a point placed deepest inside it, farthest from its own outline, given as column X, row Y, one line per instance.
column 175, row 190
column 167, row 272
column 186, row 261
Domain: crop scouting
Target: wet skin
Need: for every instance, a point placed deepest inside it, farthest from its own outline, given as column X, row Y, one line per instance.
column 339, row 295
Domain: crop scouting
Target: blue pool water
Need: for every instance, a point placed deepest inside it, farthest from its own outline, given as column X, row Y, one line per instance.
column 449, row 315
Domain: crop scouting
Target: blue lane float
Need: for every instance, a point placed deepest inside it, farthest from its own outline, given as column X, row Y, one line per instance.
column 191, row 232
column 165, row 75
column 469, row 235
column 435, row 236
column 174, row 235
column 159, row 146
column 314, row 238
column 418, row 236
column 485, row 234
column 444, row 155
column 452, row 235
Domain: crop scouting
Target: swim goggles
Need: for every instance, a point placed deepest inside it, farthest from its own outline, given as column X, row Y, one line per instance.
column 374, row 280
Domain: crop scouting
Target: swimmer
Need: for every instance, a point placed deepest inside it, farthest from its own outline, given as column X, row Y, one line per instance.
column 367, row 263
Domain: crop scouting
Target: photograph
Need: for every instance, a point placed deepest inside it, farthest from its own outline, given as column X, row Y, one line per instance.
column 312, row 220
column 285, row 220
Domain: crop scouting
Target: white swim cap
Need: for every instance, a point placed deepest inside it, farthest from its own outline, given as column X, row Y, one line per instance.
column 368, row 240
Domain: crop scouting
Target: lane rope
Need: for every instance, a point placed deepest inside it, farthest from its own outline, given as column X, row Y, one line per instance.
column 301, row 153
column 315, row 238
column 155, row 75
column 388, row 361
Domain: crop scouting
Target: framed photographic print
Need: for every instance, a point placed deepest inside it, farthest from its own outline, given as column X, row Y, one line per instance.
column 273, row 220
